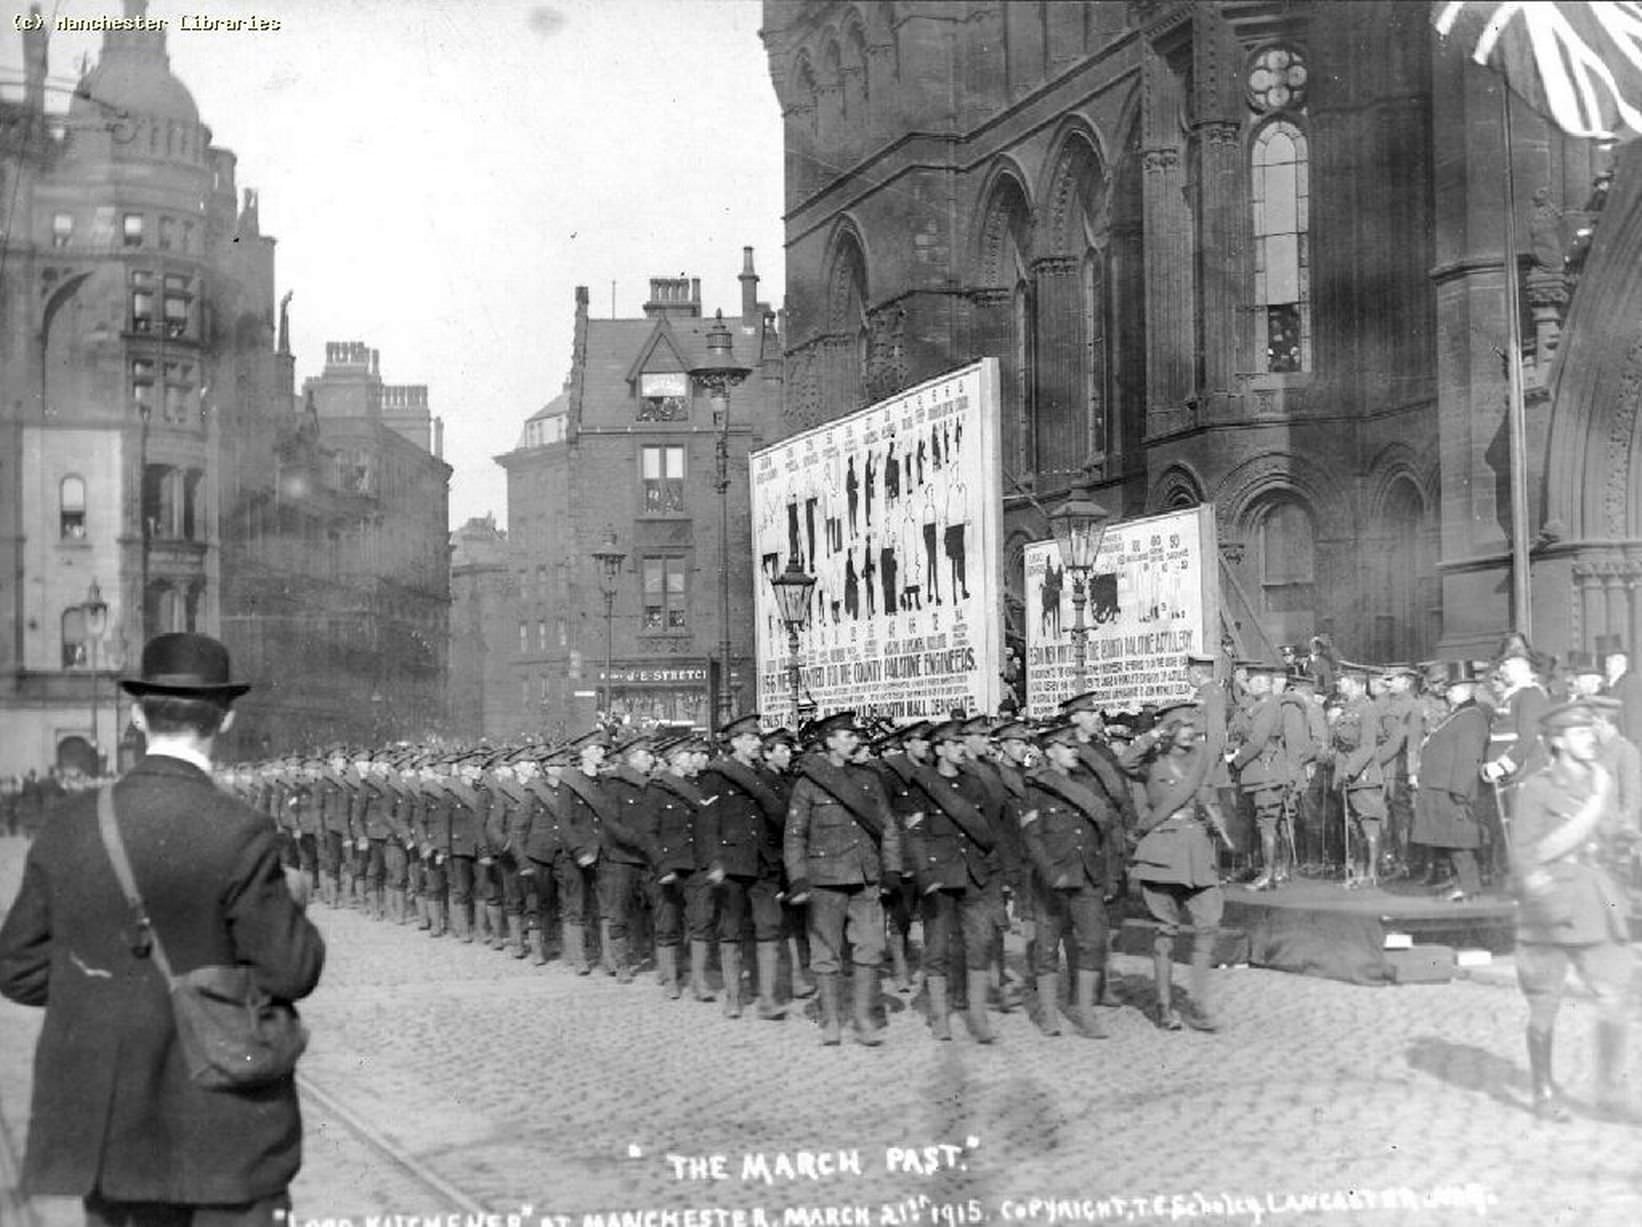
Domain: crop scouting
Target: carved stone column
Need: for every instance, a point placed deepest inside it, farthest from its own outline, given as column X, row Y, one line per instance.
column 1547, row 299
column 1060, row 434
column 991, row 331
column 1588, row 610
column 1171, row 333
column 1221, row 205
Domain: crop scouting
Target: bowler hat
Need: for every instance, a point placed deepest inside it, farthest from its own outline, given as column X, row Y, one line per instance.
column 186, row 665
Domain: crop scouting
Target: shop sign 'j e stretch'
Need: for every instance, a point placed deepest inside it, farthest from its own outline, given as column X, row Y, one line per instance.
column 1152, row 596
column 896, row 510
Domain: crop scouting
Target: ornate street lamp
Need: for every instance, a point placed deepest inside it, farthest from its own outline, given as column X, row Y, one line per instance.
column 793, row 589
column 609, row 558
column 1079, row 523
column 718, row 374
column 95, row 612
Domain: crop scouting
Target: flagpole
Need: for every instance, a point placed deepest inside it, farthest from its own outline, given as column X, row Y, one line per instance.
column 1522, row 619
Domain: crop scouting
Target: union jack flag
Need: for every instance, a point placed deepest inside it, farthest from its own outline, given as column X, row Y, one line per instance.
column 1576, row 62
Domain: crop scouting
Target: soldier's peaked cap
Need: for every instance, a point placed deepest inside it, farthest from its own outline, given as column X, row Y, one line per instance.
column 742, row 726
column 1062, row 734
column 917, row 731
column 1199, row 658
column 1580, row 713
column 979, row 726
column 837, row 722
column 1089, row 700
column 952, row 730
column 1177, row 713
column 1015, row 730
column 781, row 736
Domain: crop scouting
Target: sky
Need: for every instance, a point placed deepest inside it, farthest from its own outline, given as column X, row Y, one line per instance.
column 441, row 174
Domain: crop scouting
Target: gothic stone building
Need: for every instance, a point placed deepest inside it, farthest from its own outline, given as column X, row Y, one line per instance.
column 1248, row 252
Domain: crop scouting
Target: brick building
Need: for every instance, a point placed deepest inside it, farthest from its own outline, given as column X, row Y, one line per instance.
column 629, row 448
column 483, row 691
column 1249, row 253
column 138, row 379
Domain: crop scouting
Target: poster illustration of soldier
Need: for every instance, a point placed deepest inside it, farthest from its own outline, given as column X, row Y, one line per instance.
column 1152, row 596
column 896, row 511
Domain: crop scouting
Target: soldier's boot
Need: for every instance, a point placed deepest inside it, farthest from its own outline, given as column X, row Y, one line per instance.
column 436, row 917
column 900, row 969
column 769, row 962
column 1163, row 977
column 975, row 1009
column 396, row 904
column 1371, row 876
column 832, row 1030
column 798, row 951
column 1267, row 880
column 667, row 969
column 729, row 960
column 607, row 961
column 1548, row 1105
column 999, row 986
column 700, row 990
column 1049, row 1004
column 1108, row 995
column 1088, row 1020
column 1201, row 1016
column 516, row 935
column 865, row 1000
column 379, row 903
column 538, row 945
column 327, row 889
column 621, row 957
column 493, row 918
column 1612, row 1101
column 424, row 915
column 939, row 1005
column 575, row 948
column 461, row 920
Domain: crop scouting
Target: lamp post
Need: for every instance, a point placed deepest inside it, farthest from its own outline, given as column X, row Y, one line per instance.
column 95, row 612
column 793, row 589
column 609, row 559
column 1079, row 523
column 718, row 374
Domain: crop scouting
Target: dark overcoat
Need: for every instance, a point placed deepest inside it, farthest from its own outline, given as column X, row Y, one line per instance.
column 114, row 1107
column 1450, row 759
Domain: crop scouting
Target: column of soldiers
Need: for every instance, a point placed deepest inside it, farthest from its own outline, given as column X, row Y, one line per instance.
column 813, row 855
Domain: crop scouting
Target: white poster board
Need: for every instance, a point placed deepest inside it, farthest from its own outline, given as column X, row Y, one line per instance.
column 896, row 510
column 1153, row 597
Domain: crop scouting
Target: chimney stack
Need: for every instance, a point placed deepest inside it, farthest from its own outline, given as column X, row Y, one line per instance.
column 749, row 290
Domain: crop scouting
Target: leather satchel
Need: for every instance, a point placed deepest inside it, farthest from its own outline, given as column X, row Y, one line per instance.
column 232, row 1034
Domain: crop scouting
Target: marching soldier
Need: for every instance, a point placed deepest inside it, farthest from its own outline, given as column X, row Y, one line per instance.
column 624, row 852
column 505, row 822
column 738, row 845
column 561, row 848
column 780, row 747
column 1355, row 738
column 334, row 837
column 980, row 761
column 681, row 899
column 373, row 803
column 432, row 826
column 842, row 849
column 1017, row 753
column 588, row 809
column 953, row 853
column 1175, row 861
column 906, row 749
column 1570, row 910
column 1072, row 835
column 399, row 851
column 465, row 806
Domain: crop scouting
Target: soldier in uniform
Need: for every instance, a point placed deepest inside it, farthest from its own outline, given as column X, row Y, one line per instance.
column 1219, row 794
column 980, row 760
column 505, row 824
column 562, row 847
column 625, row 854
column 399, row 852
column 1260, row 764
column 953, row 852
column 1449, row 758
column 1304, row 734
column 680, row 897
column 1017, row 753
column 1398, row 734
column 373, row 803
column 333, row 835
column 1355, row 739
column 1072, row 835
column 465, row 806
column 1175, row 862
column 776, row 764
column 1570, row 910
column 842, row 848
column 738, row 846
column 905, row 750
column 432, row 826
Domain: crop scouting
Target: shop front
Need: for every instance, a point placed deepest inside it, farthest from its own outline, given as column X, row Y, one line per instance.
column 642, row 696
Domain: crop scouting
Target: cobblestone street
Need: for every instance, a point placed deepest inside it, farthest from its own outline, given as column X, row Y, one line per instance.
column 530, row 1091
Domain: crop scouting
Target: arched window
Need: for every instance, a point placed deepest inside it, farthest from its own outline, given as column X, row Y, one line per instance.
column 1288, row 548
column 855, row 66
column 71, row 505
column 74, row 637
column 1280, row 195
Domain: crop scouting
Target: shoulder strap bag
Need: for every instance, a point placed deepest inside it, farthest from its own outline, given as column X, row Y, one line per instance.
column 232, row 1034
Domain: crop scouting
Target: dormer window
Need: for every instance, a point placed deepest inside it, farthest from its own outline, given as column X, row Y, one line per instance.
column 664, row 397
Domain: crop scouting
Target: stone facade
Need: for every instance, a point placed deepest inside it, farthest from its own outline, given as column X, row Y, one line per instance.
column 484, row 595
column 630, row 450
column 1247, row 253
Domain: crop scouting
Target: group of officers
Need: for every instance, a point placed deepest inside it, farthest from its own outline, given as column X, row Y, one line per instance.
column 820, row 848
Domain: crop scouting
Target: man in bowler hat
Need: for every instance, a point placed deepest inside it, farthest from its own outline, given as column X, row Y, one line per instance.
column 116, row 1120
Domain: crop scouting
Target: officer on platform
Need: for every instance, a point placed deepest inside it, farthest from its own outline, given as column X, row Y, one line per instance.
column 1260, row 764
column 1355, row 740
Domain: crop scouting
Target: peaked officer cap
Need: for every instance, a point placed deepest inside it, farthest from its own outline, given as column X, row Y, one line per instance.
column 1063, row 734
column 1015, row 730
column 742, row 726
column 952, row 730
column 1089, row 700
column 837, row 722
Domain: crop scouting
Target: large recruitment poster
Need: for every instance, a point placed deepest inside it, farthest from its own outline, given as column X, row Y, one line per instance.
column 1153, row 597
column 896, row 511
